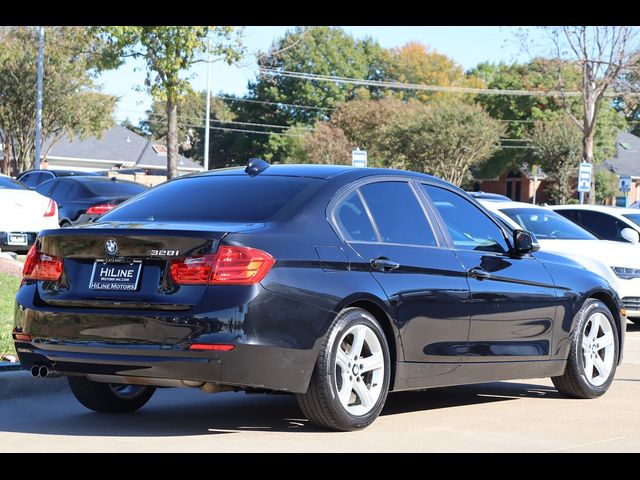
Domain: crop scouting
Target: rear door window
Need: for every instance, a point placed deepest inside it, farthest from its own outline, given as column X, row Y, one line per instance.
column 397, row 214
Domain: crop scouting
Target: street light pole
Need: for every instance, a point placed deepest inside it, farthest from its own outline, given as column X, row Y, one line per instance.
column 206, row 125
column 36, row 163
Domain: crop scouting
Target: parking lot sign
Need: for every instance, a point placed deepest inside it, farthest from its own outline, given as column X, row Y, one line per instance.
column 625, row 183
column 359, row 158
column 584, row 177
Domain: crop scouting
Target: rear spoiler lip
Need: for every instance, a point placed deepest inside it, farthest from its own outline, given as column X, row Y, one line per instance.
column 203, row 230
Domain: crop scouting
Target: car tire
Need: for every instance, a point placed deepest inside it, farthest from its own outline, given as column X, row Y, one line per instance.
column 594, row 348
column 64, row 224
column 109, row 397
column 350, row 381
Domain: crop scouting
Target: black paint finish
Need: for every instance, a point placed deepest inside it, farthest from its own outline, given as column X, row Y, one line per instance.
column 451, row 316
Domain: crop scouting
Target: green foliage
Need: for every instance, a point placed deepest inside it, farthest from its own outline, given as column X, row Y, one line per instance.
column 71, row 104
column 319, row 50
column 606, row 184
column 287, row 148
column 8, row 288
column 557, row 143
column 444, row 139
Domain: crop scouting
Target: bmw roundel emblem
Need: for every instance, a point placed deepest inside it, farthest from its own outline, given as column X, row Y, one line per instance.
column 111, row 246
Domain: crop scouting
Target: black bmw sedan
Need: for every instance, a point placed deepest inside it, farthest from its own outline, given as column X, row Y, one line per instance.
column 333, row 283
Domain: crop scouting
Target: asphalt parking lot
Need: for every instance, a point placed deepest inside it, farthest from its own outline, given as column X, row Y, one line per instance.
column 505, row 416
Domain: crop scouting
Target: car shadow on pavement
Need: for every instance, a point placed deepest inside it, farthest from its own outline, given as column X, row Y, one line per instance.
column 184, row 413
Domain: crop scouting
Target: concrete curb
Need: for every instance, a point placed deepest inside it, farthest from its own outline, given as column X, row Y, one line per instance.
column 20, row 384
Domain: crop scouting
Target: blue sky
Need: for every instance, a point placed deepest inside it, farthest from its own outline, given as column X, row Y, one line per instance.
column 466, row 45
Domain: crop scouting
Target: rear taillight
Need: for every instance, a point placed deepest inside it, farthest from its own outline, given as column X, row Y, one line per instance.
column 100, row 208
column 40, row 266
column 220, row 347
column 52, row 208
column 230, row 266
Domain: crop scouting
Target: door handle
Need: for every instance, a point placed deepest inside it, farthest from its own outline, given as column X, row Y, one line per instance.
column 479, row 273
column 383, row 264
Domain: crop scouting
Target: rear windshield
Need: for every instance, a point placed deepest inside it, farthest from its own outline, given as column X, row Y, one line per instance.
column 11, row 184
column 221, row 198
column 109, row 188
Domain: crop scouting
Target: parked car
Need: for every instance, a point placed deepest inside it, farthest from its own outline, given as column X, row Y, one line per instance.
column 609, row 223
column 23, row 214
column 82, row 199
column 335, row 283
column 618, row 263
column 489, row 196
column 33, row 178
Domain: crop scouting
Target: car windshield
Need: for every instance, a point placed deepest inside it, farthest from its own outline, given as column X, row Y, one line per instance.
column 11, row 184
column 634, row 217
column 547, row 225
column 216, row 198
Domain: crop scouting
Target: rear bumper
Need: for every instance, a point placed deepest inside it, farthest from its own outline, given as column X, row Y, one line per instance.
column 272, row 368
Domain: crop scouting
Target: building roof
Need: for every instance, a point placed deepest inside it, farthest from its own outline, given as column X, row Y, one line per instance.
column 627, row 158
column 118, row 146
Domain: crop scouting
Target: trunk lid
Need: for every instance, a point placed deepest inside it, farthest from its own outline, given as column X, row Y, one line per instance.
column 147, row 248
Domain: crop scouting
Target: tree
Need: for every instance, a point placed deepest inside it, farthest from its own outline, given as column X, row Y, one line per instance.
column 169, row 52
column 417, row 63
column 606, row 184
column 557, row 146
column 287, row 146
column 366, row 124
column 603, row 55
column 520, row 112
column 444, row 139
column 191, row 114
column 71, row 104
column 319, row 50
column 327, row 144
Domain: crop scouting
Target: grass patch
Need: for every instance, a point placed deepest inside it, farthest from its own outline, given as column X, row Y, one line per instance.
column 8, row 288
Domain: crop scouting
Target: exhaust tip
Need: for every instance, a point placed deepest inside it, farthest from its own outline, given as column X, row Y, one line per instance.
column 35, row 371
column 44, row 371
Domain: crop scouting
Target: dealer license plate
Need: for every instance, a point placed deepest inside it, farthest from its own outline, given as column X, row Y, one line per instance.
column 121, row 276
column 16, row 239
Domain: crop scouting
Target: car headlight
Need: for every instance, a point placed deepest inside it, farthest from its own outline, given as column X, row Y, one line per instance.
column 626, row 273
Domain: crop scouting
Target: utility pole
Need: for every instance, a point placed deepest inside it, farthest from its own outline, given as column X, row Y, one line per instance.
column 36, row 163
column 207, row 124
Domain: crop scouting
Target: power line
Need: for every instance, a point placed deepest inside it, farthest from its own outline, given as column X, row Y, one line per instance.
column 306, row 107
column 229, row 129
column 415, row 86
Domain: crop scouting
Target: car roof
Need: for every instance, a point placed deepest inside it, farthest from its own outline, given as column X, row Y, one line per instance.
column 318, row 171
column 489, row 196
column 598, row 208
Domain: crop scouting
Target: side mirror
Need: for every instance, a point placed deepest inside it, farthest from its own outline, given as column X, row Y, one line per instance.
column 630, row 235
column 524, row 242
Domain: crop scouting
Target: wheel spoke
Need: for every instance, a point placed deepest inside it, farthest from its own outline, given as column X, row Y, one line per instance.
column 605, row 341
column 603, row 370
column 372, row 362
column 363, row 394
column 588, row 366
column 586, row 345
column 342, row 359
column 358, row 341
column 595, row 326
column 345, row 392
